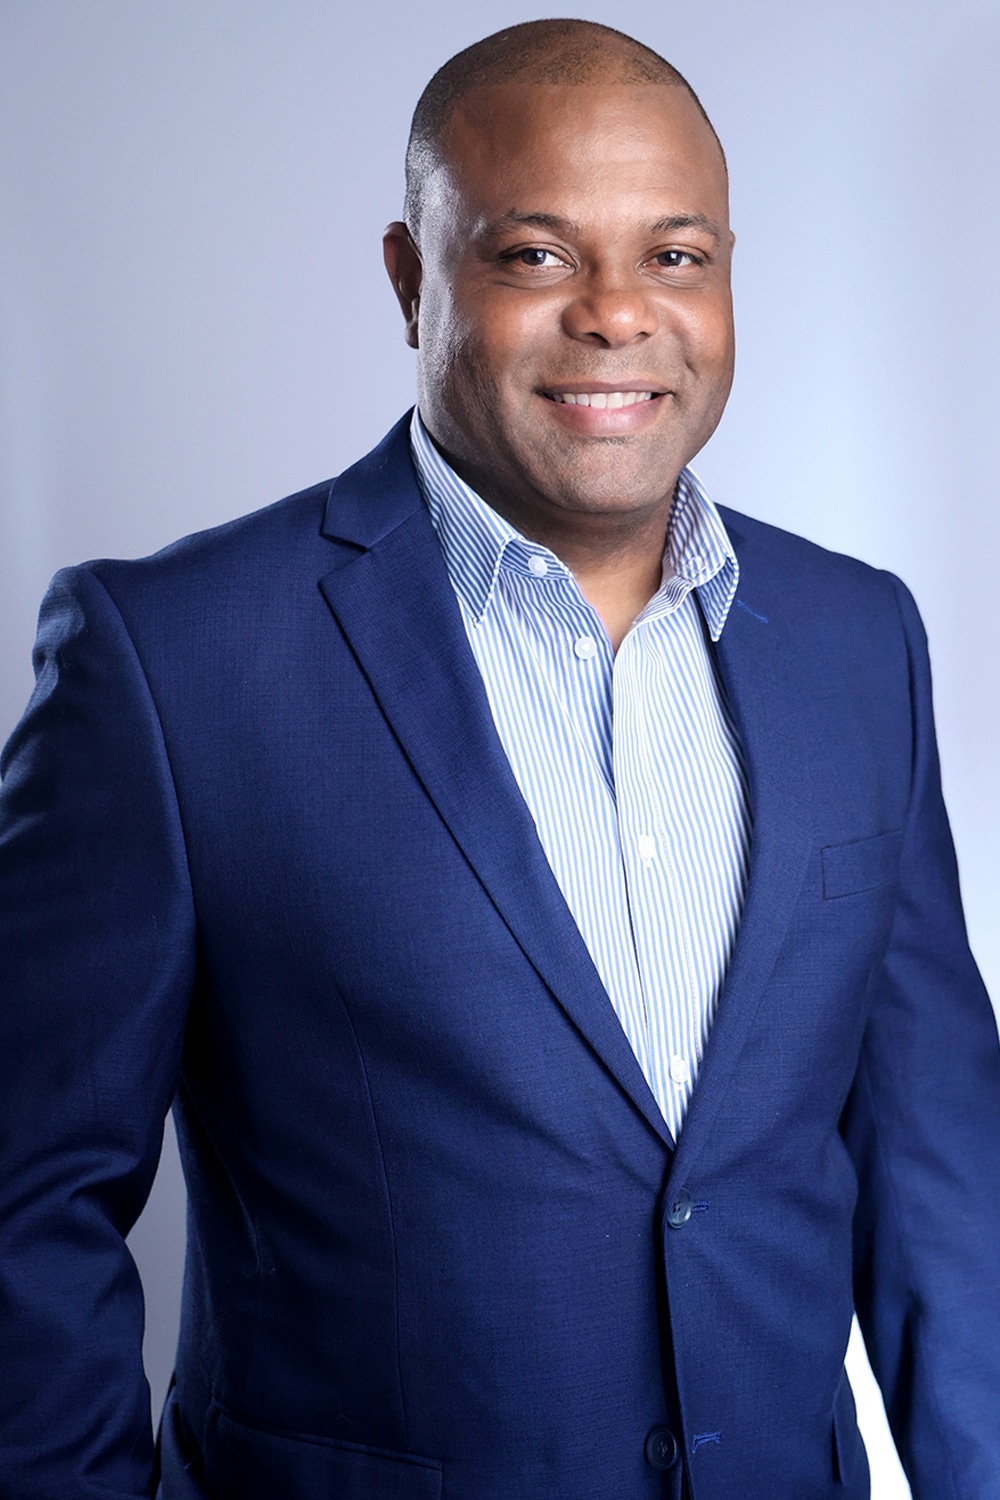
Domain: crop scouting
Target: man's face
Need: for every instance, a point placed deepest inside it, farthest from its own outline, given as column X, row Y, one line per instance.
column 573, row 310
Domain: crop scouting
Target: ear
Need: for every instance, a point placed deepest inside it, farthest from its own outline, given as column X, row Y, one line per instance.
column 402, row 261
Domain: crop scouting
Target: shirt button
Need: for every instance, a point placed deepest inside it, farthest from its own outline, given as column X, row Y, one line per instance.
column 662, row 1448
column 679, row 1070
column 585, row 647
column 537, row 565
column 646, row 845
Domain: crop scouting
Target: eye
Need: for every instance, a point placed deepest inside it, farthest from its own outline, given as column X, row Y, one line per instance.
column 677, row 260
column 536, row 257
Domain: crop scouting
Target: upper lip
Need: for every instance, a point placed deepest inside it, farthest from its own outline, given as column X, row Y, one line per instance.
column 586, row 387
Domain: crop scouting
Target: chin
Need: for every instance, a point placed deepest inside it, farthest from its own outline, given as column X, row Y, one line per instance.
column 619, row 481
column 604, row 496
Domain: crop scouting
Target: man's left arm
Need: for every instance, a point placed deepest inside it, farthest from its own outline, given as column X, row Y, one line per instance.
column 923, row 1126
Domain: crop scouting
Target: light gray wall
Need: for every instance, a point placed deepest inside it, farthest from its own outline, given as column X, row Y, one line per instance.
column 194, row 320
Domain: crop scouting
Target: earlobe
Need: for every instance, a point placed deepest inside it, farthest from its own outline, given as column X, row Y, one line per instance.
column 412, row 331
column 402, row 261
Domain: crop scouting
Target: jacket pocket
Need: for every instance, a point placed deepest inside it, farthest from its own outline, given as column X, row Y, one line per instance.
column 861, row 865
column 252, row 1463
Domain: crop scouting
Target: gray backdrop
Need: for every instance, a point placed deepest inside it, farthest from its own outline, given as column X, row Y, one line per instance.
column 195, row 321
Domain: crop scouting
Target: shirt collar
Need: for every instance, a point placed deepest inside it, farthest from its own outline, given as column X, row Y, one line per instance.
column 477, row 541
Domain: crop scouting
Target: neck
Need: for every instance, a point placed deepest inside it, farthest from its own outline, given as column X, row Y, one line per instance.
column 615, row 554
column 616, row 559
column 619, row 590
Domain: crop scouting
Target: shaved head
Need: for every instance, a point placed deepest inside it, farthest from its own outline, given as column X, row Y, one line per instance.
column 557, row 51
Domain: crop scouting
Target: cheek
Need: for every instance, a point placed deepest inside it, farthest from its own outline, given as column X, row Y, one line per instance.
column 712, row 332
column 509, row 334
column 451, row 363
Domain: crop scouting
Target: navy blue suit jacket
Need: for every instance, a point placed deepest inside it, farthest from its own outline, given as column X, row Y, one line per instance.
column 260, row 848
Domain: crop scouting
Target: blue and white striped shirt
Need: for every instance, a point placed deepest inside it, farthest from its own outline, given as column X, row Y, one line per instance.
column 629, row 764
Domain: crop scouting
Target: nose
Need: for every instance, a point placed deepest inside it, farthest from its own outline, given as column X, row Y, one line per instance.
column 611, row 311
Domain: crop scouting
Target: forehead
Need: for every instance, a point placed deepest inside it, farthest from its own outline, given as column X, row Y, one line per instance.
column 506, row 141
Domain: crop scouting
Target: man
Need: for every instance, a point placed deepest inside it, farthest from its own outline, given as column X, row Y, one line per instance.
column 535, row 887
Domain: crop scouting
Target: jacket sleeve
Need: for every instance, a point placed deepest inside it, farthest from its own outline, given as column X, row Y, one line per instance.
column 923, row 1127
column 96, row 967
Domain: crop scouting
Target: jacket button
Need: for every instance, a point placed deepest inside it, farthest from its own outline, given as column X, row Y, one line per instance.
column 662, row 1450
column 680, row 1210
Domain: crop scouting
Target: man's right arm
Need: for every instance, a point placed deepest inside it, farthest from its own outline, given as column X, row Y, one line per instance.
column 96, row 969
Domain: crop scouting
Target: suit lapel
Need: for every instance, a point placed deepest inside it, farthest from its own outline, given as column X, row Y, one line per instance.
column 761, row 671
column 392, row 598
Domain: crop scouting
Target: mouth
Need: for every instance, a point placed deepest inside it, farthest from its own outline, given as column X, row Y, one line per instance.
column 603, row 400
column 601, row 410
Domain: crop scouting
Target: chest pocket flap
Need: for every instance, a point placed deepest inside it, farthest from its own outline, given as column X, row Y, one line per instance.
column 861, row 865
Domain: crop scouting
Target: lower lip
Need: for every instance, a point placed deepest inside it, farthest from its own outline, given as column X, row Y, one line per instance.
column 607, row 421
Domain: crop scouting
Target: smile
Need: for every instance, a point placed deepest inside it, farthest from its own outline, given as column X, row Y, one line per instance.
column 605, row 399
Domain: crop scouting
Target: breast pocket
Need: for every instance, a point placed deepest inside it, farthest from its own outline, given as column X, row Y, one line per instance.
column 861, row 865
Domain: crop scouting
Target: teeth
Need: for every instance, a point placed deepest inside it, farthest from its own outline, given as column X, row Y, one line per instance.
column 602, row 399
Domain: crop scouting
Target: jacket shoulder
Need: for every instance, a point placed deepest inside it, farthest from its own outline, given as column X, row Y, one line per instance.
column 789, row 549
column 810, row 581
column 267, row 546
column 260, row 543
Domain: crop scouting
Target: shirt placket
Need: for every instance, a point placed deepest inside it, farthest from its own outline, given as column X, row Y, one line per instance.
column 657, row 881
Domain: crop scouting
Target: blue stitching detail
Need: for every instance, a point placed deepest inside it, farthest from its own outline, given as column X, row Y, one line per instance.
column 762, row 618
column 701, row 1438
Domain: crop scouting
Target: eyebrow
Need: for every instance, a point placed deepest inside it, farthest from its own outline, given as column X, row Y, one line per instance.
column 667, row 225
column 687, row 221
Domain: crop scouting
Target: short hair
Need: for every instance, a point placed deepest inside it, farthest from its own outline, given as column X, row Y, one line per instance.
column 551, row 51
